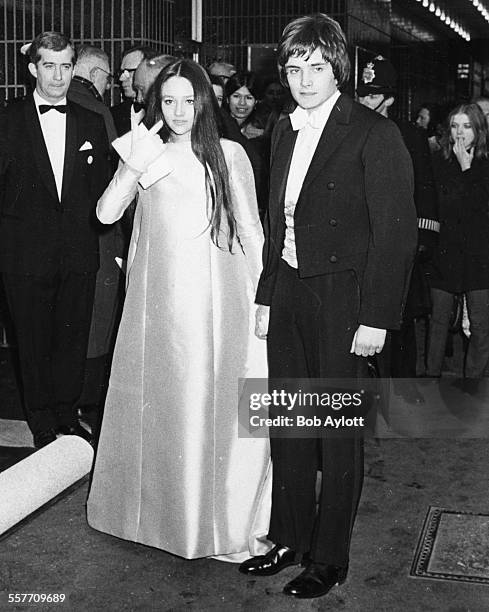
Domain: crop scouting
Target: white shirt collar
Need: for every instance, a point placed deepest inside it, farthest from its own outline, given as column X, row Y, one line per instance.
column 40, row 100
column 317, row 118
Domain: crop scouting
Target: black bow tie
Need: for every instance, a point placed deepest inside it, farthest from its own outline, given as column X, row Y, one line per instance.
column 44, row 108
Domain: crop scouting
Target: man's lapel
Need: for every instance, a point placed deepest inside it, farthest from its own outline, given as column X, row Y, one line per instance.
column 38, row 146
column 335, row 130
column 70, row 148
column 282, row 156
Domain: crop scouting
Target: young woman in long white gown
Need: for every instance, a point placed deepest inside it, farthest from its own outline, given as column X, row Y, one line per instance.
column 171, row 471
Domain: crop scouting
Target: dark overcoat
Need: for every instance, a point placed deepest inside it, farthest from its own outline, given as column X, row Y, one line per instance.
column 418, row 301
column 461, row 261
column 109, row 287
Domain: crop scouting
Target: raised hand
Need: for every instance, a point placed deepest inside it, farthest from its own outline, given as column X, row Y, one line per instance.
column 146, row 145
column 463, row 156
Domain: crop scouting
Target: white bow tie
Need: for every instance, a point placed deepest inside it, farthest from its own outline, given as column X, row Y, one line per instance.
column 300, row 118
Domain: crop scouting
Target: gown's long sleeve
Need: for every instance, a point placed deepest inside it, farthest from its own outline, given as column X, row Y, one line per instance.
column 119, row 194
column 243, row 193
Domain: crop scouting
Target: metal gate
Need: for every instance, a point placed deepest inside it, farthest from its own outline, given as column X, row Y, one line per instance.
column 113, row 25
column 230, row 27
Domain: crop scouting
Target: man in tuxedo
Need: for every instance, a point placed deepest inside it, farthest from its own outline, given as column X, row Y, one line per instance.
column 53, row 168
column 340, row 237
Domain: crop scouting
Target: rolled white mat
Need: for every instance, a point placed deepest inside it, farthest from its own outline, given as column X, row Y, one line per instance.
column 31, row 483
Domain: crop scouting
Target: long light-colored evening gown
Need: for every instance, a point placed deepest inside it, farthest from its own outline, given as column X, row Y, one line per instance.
column 170, row 470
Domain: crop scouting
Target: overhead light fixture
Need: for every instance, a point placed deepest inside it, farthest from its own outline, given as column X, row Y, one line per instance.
column 432, row 6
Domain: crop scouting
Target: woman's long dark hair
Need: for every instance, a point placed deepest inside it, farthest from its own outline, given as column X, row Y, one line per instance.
column 243, row 79
column 478, row 123
column 204, row 139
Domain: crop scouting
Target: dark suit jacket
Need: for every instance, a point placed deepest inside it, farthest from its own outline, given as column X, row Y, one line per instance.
column 80, row 94
column 121, row 114
column 355, row 210
column 39, row 234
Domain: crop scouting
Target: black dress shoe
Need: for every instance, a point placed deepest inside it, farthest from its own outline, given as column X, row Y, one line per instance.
column 315, row 581
column 76, row 430
column 272, row 563
column 43, row 438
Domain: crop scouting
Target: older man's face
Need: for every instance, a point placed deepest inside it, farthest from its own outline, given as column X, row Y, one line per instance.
column 129, row 65
column 101, row 77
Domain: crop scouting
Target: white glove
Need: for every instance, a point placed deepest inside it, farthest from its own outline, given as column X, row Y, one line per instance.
column 146, row 145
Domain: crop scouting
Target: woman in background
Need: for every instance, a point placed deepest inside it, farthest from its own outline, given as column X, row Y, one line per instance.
column 461, row 260
column 241, row 96
column 240, row 99
column 171, row 471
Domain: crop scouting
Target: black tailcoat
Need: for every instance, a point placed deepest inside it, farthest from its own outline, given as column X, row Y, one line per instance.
column 355, row 210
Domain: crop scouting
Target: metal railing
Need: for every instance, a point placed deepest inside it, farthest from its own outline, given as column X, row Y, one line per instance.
column 113, row 25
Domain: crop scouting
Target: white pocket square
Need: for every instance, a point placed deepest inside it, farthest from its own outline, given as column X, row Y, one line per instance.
column 86, row 146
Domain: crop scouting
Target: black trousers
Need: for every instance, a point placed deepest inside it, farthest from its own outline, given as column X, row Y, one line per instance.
column 51, row 316
column 312, row 324
column 399, row 355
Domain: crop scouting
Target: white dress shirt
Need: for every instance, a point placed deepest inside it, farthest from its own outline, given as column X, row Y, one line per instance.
column 310, row 126
column 53, row 126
